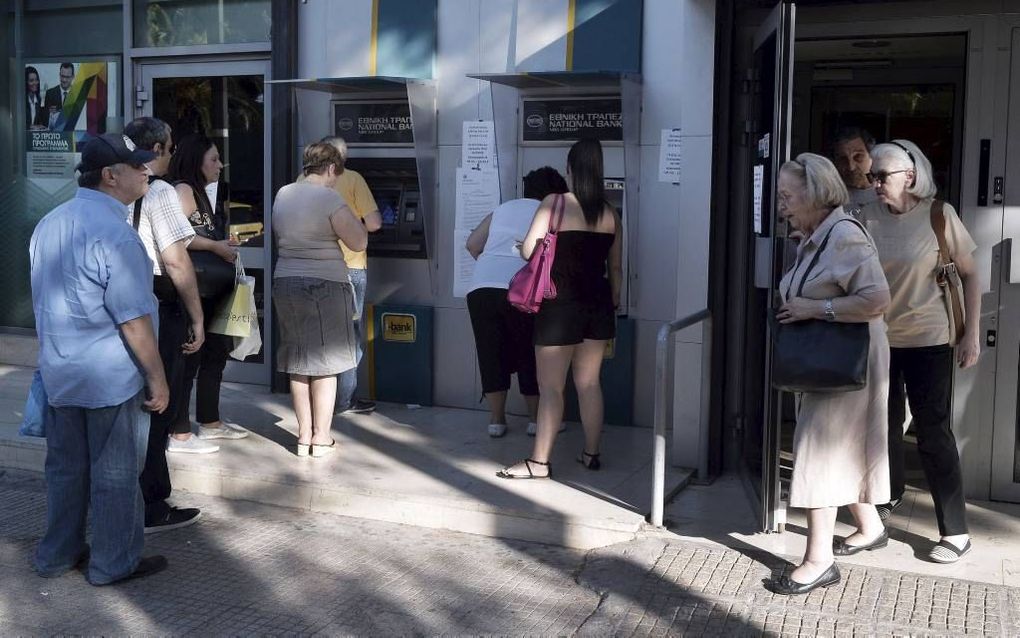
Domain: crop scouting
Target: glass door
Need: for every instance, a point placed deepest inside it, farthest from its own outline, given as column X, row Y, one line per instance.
column 227, row 102
column 1005, row 484
column 771, row 99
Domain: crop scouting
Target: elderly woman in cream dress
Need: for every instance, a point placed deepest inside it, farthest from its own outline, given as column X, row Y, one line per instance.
column 840, row 452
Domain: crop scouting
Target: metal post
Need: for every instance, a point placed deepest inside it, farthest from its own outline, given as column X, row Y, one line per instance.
column 663, row 405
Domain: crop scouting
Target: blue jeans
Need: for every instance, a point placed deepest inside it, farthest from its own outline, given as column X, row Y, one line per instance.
column 347, row 382
column 93, row 459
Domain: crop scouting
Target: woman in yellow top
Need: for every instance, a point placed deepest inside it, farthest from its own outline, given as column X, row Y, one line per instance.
column 921, row 348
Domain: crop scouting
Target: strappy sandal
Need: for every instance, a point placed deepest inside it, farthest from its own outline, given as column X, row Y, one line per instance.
column 505, row 473
column 593, row 463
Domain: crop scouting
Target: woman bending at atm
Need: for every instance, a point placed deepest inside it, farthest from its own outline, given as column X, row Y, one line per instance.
column 572, row 329
column 311, row 282
column 504, row 336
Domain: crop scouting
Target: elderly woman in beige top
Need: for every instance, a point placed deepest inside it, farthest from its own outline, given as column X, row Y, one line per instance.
column 922, row 349
column 840, row 441
column 312, row 293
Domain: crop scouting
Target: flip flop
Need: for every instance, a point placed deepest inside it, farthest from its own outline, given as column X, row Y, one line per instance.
column 948, row 553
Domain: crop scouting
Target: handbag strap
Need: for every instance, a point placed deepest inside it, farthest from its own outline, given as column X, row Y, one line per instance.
column 138, row 204
column 556, row 219
column 946, row 264
column 818, row 255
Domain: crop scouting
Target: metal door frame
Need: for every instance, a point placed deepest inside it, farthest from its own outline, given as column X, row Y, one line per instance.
column 1006, row 411
column 781, row 23
column 259, row 258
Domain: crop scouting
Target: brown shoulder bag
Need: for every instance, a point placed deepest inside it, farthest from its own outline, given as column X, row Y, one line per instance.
column 946, row 275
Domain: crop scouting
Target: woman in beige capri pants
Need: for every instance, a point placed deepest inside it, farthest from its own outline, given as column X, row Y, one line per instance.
column 840, row 455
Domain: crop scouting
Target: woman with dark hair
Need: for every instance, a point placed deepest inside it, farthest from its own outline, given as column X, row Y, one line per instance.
column 312, row 293
column 194, row 166
column 504, row 337
column 571, row 330
column 36, row 116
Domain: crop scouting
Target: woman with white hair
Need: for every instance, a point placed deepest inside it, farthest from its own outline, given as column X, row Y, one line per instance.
column 839, row 445
column 921, row 360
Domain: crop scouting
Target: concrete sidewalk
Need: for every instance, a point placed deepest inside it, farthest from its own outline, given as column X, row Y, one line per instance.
column 431, row 467
column 249, row 569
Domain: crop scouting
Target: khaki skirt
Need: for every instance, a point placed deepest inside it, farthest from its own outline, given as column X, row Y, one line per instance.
column 316, row 321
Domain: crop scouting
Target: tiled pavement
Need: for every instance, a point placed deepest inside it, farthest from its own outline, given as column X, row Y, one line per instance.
column 250, row 569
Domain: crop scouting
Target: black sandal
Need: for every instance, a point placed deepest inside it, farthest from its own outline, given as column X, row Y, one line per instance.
column 505, row 474
column 593, row 464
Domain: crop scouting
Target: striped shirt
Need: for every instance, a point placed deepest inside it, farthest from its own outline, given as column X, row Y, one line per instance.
column 162, row 222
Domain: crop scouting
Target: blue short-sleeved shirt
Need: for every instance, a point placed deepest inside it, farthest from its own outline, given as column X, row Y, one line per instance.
column 90, row 273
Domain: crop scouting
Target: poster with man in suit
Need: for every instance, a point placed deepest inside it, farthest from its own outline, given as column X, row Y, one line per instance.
column 79, row 97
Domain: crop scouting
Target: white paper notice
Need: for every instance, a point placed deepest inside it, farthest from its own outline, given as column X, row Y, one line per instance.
column 477, row 196
column 463, row 263
column 759, row 182
column 669, row 156
column 478, row 149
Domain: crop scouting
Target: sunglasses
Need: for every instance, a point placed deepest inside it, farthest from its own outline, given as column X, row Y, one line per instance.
column 883, row 176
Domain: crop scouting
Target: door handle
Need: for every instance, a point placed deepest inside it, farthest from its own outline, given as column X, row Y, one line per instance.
column 986, row 154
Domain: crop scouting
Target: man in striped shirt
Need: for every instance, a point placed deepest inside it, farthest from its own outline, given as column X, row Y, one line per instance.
column 166, row 233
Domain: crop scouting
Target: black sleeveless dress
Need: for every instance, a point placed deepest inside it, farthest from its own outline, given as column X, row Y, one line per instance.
column 583, row 307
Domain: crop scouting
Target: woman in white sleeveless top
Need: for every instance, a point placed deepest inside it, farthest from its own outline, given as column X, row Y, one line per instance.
column 503, row 335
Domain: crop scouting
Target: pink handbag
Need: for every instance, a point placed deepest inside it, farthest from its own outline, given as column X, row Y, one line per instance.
column 533, row 283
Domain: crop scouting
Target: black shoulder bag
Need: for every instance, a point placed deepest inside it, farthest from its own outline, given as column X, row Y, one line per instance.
column 215, row 276
column 816, row 355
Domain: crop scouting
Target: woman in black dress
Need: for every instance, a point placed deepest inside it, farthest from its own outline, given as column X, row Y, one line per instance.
column 572, row 329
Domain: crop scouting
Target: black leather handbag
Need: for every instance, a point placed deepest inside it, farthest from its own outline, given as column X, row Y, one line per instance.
column 816, row 355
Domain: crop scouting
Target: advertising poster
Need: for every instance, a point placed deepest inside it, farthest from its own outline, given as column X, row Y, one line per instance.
column 66, row 103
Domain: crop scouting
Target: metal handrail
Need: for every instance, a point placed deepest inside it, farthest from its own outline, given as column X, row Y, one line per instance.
column 664, row 403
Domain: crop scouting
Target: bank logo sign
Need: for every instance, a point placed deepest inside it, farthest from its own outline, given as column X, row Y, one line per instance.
column 373, row 122
column 398, row 327
column 570, row 119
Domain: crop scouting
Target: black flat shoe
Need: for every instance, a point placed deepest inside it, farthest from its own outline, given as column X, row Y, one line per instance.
column 841, row 548
column 592, row 463
column 786, row 586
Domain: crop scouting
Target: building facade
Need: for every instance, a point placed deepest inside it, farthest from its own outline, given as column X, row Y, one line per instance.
column 688, row 97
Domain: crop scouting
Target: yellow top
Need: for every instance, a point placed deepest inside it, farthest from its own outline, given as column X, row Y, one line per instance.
column 353, row 188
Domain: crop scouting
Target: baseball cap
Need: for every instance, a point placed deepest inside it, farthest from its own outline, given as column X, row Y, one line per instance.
column 109, row 149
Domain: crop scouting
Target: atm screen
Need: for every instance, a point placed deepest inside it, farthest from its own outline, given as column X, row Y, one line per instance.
column 389, row 205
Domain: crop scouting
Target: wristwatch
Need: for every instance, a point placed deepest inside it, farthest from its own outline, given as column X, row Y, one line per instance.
column 830, row 314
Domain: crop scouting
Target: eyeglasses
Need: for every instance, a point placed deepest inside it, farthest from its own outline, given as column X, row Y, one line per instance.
column 882, row 176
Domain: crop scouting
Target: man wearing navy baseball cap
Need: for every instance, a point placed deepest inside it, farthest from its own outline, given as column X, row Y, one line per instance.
column 94, row 308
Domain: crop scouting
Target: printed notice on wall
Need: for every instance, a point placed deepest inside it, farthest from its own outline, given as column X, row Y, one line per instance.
column 669, row 156
column 477, row 196
column 478, row 149
column 759, row 182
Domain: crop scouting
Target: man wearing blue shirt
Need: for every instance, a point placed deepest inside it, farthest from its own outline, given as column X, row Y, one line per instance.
column 94, row 308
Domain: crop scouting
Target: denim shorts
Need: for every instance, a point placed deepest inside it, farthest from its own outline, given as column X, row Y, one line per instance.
column 316, row 321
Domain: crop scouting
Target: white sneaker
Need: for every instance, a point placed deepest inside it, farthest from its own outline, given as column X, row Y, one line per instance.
column 533, row 427
column 191, row 445
column 497, row 430
column 227, row 430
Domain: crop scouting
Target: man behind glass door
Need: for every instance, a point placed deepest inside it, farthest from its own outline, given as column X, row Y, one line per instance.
column 353, row 188
column 851, row 150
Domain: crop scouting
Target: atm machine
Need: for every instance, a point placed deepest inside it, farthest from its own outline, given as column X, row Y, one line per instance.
column 389, row 124
column 538, row 116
